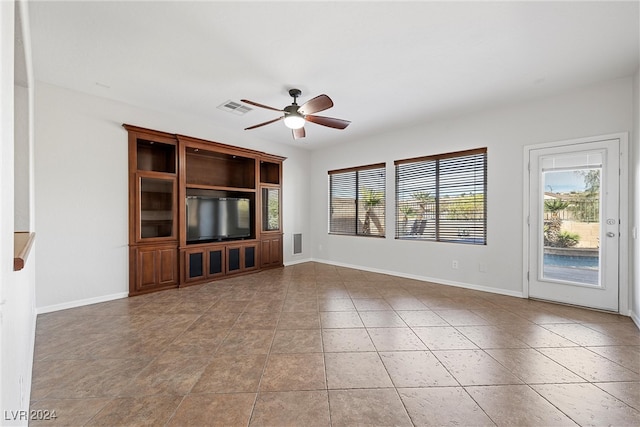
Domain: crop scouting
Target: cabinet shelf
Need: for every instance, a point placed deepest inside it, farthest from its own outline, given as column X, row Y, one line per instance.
column 269, row 173
column 215, row 169
column 220, row 188
column 221, row 243
column 156, row 156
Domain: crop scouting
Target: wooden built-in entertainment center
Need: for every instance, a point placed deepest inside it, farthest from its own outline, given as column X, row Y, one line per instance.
column 165, row 170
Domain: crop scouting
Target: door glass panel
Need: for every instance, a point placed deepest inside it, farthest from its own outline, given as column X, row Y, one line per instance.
column 571, row 214
column 270, row 209
column 156, row 207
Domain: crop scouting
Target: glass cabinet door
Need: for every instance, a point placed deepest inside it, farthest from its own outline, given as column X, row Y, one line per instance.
column 156, row 197
column 270, row 209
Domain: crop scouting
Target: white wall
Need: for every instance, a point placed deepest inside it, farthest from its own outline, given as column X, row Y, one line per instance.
column 602, row 109
column 634, row 143
column 17, row 288
column 22, row 159
column 81, row 191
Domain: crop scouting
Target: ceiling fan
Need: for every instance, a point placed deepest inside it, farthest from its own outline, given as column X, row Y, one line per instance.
column 295, row 115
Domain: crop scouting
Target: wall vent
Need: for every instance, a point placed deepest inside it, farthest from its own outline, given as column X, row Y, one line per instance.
column 297, row 243
column 234, row 107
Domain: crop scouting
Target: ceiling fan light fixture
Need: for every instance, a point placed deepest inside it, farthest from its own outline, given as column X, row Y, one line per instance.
column 294, row 121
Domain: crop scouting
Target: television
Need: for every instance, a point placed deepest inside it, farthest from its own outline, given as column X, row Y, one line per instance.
column 217, row 218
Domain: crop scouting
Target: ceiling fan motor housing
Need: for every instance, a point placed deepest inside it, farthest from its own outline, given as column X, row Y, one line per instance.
column 292, row 109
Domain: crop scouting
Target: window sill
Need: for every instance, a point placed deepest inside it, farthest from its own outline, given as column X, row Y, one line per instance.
column 356, row 235
column 22, row 242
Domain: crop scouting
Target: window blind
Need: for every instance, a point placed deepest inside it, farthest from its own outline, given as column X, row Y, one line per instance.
column 442, row 197
column 357, row 201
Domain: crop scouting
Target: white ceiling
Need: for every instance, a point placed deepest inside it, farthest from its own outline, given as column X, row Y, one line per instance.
column 384, row 64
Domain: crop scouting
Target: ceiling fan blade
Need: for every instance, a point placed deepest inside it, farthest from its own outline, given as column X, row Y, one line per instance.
column 315, row 105
column 265, row 123
column 298, row 133
column 328, row 121
column 246, row 101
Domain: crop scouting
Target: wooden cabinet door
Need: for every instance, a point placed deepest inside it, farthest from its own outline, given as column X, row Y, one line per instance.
column 155, row 268
column 215, row 261
column 276, row 248
column 265, row 253
column 250, row 257
column 234, row 259
column 194, row 265
column 242, row 257
column 167, row 266
column 204, row 263
column 271, row 252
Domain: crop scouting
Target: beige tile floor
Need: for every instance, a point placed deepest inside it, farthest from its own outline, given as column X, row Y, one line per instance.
column 314, row 344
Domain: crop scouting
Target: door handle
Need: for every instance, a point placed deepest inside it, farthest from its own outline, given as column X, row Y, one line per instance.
column 611, row 234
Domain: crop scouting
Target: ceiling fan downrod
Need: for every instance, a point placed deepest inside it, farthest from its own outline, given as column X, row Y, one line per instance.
column 295, row 93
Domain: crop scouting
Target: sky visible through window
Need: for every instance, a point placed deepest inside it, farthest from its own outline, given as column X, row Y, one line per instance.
column 564, row 181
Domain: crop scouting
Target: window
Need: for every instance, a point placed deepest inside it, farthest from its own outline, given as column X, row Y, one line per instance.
column 357, row 201
column 443, row 197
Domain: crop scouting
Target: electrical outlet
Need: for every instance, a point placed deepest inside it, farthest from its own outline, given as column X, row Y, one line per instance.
column 482, row 267
column 454, row 264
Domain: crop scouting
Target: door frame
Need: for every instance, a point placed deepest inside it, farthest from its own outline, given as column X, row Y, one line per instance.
column 625, row 228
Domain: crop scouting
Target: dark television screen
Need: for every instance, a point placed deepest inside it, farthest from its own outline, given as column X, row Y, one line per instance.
column 217, row 218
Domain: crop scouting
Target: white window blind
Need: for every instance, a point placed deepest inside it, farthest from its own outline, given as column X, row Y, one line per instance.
column 357, row 201
column 443, row 197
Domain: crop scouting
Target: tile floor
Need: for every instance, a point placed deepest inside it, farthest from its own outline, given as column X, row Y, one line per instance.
column 314, row 344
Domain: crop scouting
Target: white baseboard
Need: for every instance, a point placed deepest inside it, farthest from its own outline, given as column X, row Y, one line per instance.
column 80, row 303
column 516, row 294
column 634, row 316
column 297, row 261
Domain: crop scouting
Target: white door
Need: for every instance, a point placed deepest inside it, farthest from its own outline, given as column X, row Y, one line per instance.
column 574, row 224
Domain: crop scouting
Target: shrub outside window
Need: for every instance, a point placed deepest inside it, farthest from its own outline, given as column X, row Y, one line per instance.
column 357, row 201
column 443, row 197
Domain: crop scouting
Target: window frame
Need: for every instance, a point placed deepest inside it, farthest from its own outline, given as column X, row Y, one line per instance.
column 357, row 199
column 478, row 238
